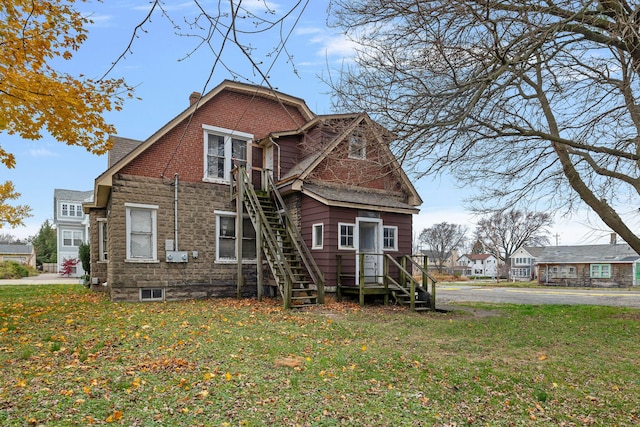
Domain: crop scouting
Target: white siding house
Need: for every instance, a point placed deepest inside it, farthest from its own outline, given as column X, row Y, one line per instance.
column 72, row 225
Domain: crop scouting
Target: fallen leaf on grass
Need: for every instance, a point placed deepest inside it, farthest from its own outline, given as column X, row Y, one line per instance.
column 289, row 362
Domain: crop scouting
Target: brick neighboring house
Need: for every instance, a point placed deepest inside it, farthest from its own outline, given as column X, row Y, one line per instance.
column 612, row 265
column 483, row 265
column 164, row 221
column 22, row 254
column 72, row 225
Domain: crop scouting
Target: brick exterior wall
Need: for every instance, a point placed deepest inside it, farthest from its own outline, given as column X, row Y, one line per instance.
column 197, row 278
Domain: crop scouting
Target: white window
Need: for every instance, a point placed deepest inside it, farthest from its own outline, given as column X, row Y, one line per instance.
column 151, row 294
column 357, row 146
column 317, row 237
column 226, row 238
column 223, row 150
column 345, row 236
column 102, row 239
column 390, row 238
column 70, row 210
column 71, row 238
column 600, row 271
column 141, row 232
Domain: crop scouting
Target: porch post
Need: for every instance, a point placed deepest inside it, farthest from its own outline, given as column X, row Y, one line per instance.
column 361, row 278
column 259, row 272
column 239, row 210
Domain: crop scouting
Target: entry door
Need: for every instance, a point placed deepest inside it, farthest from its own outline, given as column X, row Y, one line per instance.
column 368, row 243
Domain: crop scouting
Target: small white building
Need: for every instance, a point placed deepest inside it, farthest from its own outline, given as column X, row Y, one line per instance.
column 484, row 265
column 72, row 225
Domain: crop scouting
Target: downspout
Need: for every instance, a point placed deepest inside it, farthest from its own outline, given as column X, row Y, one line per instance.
column 175, row 212
column 276, row 144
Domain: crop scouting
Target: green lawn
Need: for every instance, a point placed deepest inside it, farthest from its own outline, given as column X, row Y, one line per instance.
column 71, row 357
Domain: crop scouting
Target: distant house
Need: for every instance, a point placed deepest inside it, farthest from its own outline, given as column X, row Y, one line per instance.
column 485, row 265
column 433, row 261
column 71, row 225
column 523, row 263
column 22, row 254
column 612, row 265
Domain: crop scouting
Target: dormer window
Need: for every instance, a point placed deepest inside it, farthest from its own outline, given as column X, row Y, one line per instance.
column 224, row 149
column 70, row 210
column 357, row 146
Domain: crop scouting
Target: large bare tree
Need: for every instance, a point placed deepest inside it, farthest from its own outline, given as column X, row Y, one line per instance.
column 502, row 233
column 537, row 100
column 442, row 239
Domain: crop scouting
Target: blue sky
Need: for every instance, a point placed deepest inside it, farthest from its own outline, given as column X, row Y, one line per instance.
column 165, row 69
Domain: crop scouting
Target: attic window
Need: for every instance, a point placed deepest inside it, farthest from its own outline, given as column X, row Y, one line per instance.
column 357, row 146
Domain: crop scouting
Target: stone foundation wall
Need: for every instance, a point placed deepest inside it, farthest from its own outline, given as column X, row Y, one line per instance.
column 199, row 277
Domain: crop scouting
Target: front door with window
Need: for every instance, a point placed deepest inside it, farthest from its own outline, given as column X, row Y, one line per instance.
column 368, row 242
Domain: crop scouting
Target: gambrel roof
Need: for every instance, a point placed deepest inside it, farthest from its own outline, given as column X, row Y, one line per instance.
column 104, row 181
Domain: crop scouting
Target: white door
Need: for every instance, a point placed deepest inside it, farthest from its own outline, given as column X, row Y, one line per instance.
column 368, row 242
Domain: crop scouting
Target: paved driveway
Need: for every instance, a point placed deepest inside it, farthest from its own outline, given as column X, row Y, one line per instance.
column 43, row 279
column 446, row 294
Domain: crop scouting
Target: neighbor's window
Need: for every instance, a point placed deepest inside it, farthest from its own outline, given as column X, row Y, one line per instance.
column 390, row 239
column 70, row 210
column 226, row 238
column 224, row 149
column 71, row 238
column 345, row 236
column 102, row 239
column 142, row 232
column 601, row 271
column 357, row 146
column 151, row 294
column 317, row 236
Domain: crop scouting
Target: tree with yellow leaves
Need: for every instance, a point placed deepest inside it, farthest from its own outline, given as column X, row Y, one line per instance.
column 34, row 97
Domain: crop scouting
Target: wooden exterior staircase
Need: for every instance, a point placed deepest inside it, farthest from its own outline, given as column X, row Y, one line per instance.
column 401, row 286
column 298, row 278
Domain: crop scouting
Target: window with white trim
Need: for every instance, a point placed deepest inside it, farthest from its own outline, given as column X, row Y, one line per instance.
column 601, row 271
column 357, row 146
column 226, row 236
column 71, row 238
column 223, row 150
column 142, row 232
column 102, row 239
column 70, row 210
column 390, row 238
column 317, row 236
column 345, row 236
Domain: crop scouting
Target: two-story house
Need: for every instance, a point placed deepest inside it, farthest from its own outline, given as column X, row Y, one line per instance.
column 523, row 262
column 71, row 225
column 248, row 190
column 479, row 265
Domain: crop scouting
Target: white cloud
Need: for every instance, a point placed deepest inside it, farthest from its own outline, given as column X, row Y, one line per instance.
column 42, row 152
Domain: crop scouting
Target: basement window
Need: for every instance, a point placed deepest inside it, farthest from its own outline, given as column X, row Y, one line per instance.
column 152, row 294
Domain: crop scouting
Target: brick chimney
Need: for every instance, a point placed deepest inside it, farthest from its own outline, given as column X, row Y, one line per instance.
column 614, row 238
column 194, row 97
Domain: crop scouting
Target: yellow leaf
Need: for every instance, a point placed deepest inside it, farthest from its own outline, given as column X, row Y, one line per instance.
column 22, row 383
column 364, row 347
column 228, row 376
column 542, row 357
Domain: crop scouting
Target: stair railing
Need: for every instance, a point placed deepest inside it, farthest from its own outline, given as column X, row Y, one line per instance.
column 258, row 217
column 316, row 275
column 406, row 277
column 426, row 277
